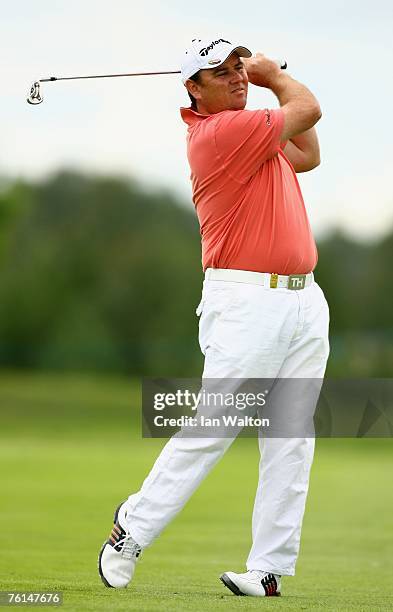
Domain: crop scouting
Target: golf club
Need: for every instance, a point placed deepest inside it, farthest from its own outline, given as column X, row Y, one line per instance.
column 35, row 96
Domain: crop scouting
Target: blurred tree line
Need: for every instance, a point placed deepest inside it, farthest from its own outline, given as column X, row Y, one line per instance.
column 98, row 273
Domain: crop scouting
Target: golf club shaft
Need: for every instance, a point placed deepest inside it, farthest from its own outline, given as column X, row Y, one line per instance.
column 282, row 65
column 106, row 76
column 35, row 97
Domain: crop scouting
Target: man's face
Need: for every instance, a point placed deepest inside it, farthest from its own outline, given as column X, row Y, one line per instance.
column 221, row 88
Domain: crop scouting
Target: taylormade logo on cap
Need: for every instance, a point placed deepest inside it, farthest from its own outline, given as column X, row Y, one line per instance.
column 206, row 50
column 205, row 54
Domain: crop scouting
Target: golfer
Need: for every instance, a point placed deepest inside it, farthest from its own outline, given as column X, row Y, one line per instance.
column 262, row 315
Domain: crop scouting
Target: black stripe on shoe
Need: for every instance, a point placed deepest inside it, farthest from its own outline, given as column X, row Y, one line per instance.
column 231, row 585
column 270, row 585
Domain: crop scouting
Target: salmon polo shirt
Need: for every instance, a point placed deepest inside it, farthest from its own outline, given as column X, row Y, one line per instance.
column 247, row 197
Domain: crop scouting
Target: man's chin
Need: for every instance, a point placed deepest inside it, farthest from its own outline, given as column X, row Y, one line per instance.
column 239, row 100
column 240, row 105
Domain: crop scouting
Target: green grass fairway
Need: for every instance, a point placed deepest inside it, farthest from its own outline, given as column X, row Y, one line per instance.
column 71, row 450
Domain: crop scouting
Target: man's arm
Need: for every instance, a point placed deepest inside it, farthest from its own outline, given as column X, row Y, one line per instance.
column 300, row 107
column 303, row 151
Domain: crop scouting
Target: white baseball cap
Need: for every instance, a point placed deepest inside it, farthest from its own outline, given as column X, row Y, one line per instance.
column 204, row 54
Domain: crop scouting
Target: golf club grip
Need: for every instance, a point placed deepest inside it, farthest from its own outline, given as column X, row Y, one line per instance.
column 281, row 64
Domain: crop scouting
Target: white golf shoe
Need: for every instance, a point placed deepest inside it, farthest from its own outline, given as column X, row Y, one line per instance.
column 119, row 554
column 254, row 582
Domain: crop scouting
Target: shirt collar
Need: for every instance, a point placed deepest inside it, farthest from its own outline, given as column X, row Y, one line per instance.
column 190, row 116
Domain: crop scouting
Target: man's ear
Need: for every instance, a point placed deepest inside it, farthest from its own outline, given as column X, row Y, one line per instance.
column 193, row 88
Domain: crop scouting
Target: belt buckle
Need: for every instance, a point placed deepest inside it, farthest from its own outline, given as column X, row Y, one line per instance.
column 273, row 281
column 296, row 281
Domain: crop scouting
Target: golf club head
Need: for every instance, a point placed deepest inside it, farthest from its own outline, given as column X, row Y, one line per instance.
column 35, row 96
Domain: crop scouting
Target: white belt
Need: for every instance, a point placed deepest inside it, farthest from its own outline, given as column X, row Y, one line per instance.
column 273, row 281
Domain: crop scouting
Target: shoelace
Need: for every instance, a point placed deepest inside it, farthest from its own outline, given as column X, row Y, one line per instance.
column 129, row 548
column 259, row 573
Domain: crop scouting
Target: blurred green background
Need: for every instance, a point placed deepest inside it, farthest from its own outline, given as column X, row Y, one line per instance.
column 101, row 275
column 99, row 283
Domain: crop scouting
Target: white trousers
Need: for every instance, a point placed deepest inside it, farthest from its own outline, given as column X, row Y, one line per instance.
column 246, row 331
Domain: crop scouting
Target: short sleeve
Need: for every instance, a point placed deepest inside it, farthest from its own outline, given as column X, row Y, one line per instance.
column 246, row 139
